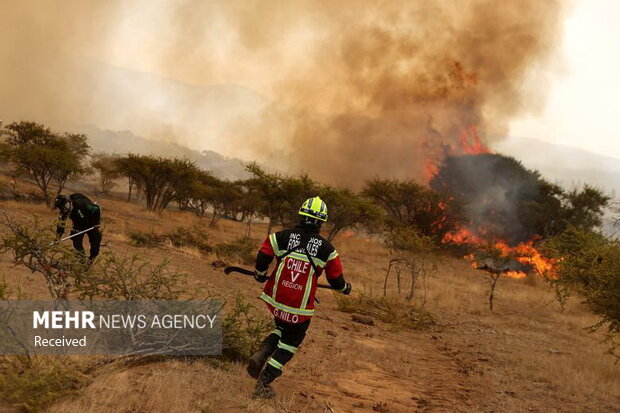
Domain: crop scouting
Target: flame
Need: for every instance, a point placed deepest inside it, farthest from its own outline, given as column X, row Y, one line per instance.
column 525, row 252
column 467, row 143
column 515, row 274
column 470, row 143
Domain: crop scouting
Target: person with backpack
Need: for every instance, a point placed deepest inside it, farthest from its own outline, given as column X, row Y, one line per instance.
column 84, row 215
column 302, row 255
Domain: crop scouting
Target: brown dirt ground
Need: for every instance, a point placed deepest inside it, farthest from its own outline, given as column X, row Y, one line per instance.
column 528, row 355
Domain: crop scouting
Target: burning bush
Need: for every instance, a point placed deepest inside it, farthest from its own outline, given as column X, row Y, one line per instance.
column 501, row 200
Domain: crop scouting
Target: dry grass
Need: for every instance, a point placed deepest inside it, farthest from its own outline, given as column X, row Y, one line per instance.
column 388, row 309
column 32, row 383
column 526, row 355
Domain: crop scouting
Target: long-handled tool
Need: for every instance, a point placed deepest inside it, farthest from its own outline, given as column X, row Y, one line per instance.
column 245, row 271
column 75, row 235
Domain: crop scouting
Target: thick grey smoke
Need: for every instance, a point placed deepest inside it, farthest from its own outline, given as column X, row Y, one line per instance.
column 344, row 90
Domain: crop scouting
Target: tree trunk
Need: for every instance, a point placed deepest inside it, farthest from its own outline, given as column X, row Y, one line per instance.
column 248, row 233
column 129, row 192
column 494, row 279
column 414, row 276
column 332, row 233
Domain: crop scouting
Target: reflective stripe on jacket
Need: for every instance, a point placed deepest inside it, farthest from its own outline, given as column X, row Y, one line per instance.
column 301, row 258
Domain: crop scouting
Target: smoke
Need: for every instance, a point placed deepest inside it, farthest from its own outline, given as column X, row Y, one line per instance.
column 498, row 198
column 344, row 90
column 395, row 87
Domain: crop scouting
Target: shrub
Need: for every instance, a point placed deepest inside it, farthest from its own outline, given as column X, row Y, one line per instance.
column 33, row 247
column 145, row 239
column 107, row 168
column 132, row 278
column 241, row 248
column 412, row 252
column 244, row 329
column 412, row 205
column 386, row 309
column 32, row 383
column 161, row 179
column 499, row 199
column 588, row 263
column 194, row 236
column 110, row 277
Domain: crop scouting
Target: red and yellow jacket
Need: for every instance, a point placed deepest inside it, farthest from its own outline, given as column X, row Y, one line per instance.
column 302, row 255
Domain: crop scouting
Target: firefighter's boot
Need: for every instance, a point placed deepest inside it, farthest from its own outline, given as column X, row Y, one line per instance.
column 258, row 359
column 263, row 391
column 263, row 388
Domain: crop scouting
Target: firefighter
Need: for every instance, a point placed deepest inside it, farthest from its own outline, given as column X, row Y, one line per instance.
column 302, row 255
column 84, row 214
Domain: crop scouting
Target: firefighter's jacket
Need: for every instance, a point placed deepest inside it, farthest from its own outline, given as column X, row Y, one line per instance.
column 301, row 256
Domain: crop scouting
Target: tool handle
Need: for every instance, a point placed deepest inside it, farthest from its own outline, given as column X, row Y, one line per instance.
column 245, row 271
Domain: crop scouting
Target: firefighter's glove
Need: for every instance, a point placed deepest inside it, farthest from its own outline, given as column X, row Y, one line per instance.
column 260, row 276
column 346, row 290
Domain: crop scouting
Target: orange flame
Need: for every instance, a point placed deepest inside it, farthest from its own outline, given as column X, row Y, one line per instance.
column 525, row 253
column 468, row 143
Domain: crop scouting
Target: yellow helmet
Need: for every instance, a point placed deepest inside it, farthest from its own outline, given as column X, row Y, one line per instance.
column 314, row 208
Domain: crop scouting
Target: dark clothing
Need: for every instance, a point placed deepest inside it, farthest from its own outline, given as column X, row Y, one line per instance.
column 83, row 214
column 82, row 211
column 94, row 239
column 284, row 341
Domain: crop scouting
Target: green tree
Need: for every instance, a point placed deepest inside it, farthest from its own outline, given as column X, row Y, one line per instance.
column 159, row 178
column 269, row 186
column 46, row 156
column 224, row 200
column 348, row 210
column 295, row 190
column 409, row 204
column 206, row 192
column 588, row 263
column 108, row 170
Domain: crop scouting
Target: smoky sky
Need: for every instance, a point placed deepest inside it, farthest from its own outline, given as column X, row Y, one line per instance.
column 343, row 90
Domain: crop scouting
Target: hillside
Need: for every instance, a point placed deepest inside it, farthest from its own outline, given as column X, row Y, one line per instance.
column 570, row 167
column 527, row 355
column 126, row 142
